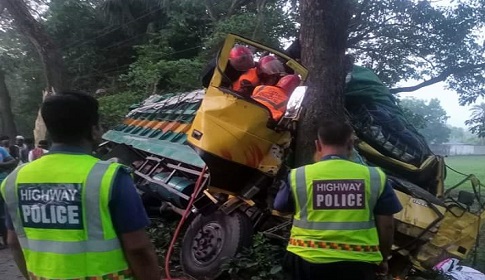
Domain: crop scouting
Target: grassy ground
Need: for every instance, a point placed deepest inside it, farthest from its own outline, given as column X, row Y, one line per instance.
column 468, row 165
column 465, row 164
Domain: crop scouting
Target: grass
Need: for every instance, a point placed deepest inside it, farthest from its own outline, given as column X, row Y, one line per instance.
column 467, row 165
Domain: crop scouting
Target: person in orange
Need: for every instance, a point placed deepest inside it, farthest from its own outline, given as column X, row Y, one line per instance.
column 276, row 97
column 267, row 72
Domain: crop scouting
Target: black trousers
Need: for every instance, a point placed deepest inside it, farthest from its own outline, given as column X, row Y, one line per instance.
column 299, row 269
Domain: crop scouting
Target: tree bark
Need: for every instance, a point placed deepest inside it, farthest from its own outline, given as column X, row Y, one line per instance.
column 8, row 124
column 324, row 33
column 49, row 53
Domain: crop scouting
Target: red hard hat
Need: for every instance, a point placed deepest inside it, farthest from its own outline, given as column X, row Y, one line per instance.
column 241, row 58
column 288, row 83
column 270, row 65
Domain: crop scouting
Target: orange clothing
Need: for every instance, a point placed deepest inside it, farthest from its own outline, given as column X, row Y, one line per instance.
column 274, row 98
column 247, row 81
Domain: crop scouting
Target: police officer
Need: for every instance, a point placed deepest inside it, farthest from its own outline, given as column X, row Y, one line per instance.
column 70, row 215
column 343, row 221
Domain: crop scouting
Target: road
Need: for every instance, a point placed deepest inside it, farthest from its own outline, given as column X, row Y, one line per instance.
column 8, row 269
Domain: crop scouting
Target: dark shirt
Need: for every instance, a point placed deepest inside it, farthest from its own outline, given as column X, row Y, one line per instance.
column 126, row 209
column 387, row 203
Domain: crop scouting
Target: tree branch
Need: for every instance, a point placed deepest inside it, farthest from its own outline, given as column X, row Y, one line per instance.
column 440, row 78
column 208, row 6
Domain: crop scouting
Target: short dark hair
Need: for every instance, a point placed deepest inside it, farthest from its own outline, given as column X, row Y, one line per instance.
column 4, row 137
column 69, row 116
column 43, row 143
column 335, row 133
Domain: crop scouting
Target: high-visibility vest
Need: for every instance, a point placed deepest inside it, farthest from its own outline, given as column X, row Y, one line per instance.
column 334, row 218
column 273, row 98
column 59, row 209
column 248, row 79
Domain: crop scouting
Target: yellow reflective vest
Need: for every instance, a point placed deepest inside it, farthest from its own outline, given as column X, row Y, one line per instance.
column 334, row 219
column 59, row 209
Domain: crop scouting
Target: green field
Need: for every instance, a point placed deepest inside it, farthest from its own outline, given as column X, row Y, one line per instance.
column 467, row 165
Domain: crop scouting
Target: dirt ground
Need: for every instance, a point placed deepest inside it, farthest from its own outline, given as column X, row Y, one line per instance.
column 8, row 269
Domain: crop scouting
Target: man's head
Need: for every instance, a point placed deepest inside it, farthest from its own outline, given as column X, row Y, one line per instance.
column 19, row 140
column 43, row 144
column 4, row 141
column 334, row 137
column 71, row 118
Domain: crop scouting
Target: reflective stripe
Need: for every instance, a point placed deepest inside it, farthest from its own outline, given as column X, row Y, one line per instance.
column 13, row 205
column 301, row 190
column 94, row 226
column 90, row 246
column 334, row 225
column 333, row 245
column 375, row 186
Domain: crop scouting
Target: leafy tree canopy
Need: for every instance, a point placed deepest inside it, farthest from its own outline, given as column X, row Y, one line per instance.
column 428, row 117
column 420, row 40
column 476, row 122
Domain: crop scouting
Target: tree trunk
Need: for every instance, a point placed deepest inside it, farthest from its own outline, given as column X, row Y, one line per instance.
column 324, row 33
column 8, row 124
column 49, row 53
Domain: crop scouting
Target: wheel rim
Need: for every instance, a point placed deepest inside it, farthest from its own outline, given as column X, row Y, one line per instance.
column 207, row 243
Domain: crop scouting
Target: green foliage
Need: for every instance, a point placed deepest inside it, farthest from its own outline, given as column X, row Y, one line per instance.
column 156, row 71
column 476, row 122
column 407, row 39
column 114, row 107
column 429, row 118
column 161, row 233
column 262, row 261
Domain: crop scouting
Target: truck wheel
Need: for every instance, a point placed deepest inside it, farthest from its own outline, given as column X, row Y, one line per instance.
column 212, row 240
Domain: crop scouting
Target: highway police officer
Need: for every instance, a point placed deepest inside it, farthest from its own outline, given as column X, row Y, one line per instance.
column 70, row 215
column 343, row 221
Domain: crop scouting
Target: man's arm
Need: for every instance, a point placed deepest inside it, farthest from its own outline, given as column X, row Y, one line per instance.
column 385, row 229
column 130, row 220
column 18, row 255
column 140, row 254
column 387, row 205
column 8, row 163
column 283, row 201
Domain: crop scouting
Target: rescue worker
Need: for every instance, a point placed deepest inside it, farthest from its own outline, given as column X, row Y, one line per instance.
column 267, row 72
column 70, row 215
column 276, row 97
column 343, row 213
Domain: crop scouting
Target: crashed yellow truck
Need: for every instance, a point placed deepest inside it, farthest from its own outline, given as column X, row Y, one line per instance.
column 226, row 151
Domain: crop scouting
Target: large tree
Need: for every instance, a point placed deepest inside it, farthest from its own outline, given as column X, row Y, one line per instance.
column 324, row 33
column 48, row 51
column 7, row 123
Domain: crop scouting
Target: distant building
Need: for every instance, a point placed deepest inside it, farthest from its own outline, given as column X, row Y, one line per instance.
column 456, row 149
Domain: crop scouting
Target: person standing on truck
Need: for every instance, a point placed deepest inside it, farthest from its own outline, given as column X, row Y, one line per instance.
column 343, row 213
column 70, row 215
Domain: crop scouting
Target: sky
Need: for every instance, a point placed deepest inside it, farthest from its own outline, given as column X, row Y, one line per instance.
column 448, row 99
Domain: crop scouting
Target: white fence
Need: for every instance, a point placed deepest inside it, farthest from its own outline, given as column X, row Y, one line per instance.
column 457, row 149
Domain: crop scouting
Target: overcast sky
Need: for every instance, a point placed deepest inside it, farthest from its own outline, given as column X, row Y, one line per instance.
column 448, row 99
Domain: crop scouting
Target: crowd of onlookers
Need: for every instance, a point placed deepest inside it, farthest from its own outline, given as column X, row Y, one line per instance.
column 13, row 153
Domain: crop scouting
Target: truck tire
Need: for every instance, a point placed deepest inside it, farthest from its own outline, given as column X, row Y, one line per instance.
column 211, row 240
